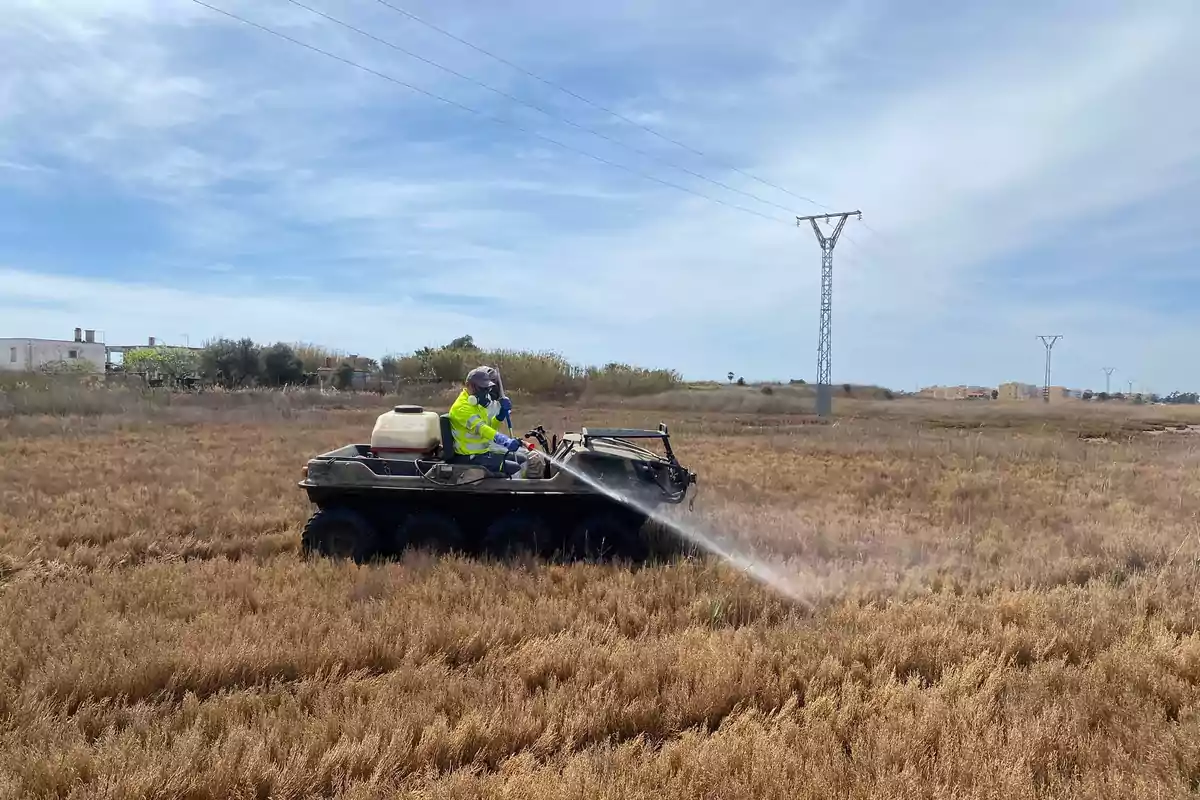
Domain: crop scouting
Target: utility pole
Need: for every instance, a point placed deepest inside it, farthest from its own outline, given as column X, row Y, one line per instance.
column 824, row 341
column 1108, row 371
column 1049, row 342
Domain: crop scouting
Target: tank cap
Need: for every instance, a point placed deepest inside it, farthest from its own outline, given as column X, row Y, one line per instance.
column 409, row 410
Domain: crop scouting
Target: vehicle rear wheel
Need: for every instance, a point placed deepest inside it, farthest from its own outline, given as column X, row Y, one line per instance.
column 433, row 529
column 339, row 533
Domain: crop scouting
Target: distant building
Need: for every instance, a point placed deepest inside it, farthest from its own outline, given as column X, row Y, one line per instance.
column 30, row 355
column 1019, row 391
column 1030, row 391
column 361, row 377
column 956, row 392
column 1059, row 393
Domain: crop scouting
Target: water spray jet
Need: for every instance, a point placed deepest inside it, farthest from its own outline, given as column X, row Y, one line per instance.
column 752, row 565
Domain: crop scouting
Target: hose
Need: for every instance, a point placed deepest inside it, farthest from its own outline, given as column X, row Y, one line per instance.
column 500, row 383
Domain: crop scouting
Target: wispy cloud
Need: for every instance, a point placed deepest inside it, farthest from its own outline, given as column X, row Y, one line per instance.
column 268, row 181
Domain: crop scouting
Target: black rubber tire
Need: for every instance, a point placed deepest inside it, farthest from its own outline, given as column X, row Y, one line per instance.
column 519, row 533
column 664, row 543
column 439, row 532
column 339, row 533
column 635, row 546
column 601, row 536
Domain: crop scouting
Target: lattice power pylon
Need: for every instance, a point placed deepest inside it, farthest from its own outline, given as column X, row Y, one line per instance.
column 825, row 340
column 1048, row 341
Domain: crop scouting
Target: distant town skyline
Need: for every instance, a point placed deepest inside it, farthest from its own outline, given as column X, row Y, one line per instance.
column 185, row 339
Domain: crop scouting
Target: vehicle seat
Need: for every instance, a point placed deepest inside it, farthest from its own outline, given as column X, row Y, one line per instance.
column 447, row 438
column 448, row 444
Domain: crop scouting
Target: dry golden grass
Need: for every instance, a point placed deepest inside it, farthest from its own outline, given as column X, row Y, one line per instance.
column 1007, row 611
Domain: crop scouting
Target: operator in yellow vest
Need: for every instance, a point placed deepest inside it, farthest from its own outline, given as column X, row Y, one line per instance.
column 474, row 416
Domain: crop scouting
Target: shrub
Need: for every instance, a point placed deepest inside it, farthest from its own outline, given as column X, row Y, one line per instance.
column 65, row 367
column 162, row 361
column 623, row 379
column 313, row 357
column 545, row 374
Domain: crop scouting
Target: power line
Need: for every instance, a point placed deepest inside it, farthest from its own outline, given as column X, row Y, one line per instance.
column 534, row 106
column 482, row 114
column 594, row 104
column 824, row 345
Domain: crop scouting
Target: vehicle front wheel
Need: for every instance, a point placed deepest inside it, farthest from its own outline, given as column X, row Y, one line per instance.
column 339, row 533
column 601, row 536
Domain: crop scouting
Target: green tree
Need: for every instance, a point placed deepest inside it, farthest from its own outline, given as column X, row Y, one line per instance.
column 281, row 366
column 344, row 377
column 390, row 366
column 232, row 363
column 463, row 343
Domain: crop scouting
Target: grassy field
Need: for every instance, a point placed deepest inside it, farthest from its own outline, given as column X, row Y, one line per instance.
column 995, row 603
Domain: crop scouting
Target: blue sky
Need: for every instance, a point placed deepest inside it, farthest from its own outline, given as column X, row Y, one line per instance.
column 165, row 170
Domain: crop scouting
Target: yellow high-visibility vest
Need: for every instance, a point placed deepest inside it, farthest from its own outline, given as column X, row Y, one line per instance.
column 470, row 424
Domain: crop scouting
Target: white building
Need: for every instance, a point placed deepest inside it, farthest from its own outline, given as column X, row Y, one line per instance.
column 27, row 355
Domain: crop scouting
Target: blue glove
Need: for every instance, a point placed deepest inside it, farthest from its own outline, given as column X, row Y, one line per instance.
column 505, row 414
column 508, row 443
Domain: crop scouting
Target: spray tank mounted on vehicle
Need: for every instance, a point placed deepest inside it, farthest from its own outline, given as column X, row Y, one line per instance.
column 406, row 432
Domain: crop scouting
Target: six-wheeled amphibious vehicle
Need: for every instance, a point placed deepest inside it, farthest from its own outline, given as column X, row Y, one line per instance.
column 587, row 495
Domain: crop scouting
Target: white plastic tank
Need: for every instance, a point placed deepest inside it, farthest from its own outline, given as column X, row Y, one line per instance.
column 406, row 432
